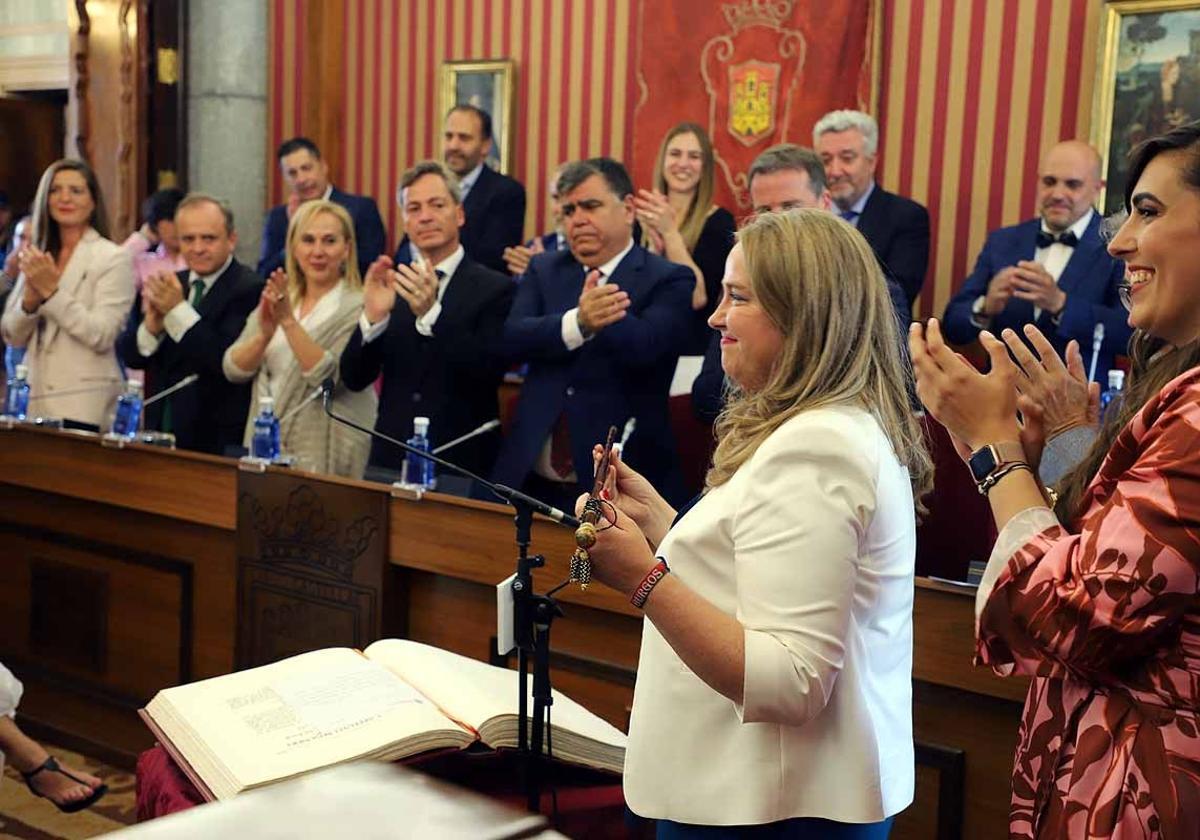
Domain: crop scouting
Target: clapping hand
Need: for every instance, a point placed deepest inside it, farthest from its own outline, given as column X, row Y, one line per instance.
column 1033, row 283
column 274, row 308
column 418, row 285
column 600, row 306
column 164, row 291
column 1053, row 397
column 655, row 213
column 976, row 408
column 379, row 293
column 41, row 274
column 517, row 257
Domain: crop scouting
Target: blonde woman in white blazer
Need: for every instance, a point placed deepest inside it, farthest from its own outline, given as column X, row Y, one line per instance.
column 773, row 693
column 292, row 342
column 71, row 300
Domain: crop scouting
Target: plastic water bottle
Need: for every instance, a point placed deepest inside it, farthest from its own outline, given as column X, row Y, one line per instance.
column 1112, row 394
column 265, row 444
column 16, row 403
column 418, row 471
column 129, row 411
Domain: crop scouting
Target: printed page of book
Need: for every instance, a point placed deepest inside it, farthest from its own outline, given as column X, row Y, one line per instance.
column 292, row 716
column 484, row 697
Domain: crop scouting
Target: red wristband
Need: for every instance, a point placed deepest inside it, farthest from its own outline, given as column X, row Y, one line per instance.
column 657, row 572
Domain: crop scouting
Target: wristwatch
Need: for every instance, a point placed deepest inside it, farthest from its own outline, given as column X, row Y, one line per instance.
column 989, row 459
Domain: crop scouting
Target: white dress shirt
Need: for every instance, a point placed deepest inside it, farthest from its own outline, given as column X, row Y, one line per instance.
column 182, row 317
column 811, row 546
column 426, row 322
column 1055, row 257
column 572, row 335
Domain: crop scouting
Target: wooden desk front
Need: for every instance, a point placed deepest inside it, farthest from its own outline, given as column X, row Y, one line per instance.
column 118, row 577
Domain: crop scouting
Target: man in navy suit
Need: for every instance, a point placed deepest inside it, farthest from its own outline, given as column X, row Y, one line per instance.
column 896, row 227
column 494, row 204
column 183, row 323
column 306, row 175
column 1052, row 271
column 438, row 349
column 601, row 326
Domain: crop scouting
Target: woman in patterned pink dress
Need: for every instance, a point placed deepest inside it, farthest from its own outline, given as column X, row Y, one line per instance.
column 1099, row 603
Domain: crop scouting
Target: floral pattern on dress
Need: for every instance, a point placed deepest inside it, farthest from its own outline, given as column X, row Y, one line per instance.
column 1107, row 622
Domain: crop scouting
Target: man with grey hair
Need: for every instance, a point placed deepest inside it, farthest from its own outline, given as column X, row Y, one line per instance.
column 431, row 329
column 601, row 325
column 783, row 177
column 182, row 324
column 896, row 227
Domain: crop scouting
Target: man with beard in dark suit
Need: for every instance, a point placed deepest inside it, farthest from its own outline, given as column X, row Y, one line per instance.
column 437, row 345
column 182, row 324
column 494, row 204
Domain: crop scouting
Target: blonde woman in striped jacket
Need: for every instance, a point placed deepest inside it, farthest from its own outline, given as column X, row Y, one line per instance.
column 293, row 340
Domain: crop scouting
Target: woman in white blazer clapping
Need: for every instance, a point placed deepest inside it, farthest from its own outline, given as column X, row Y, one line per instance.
column 774, row 690
column 71, row 299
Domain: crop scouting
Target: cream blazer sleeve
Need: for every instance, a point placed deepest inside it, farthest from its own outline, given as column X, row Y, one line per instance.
column 796, row 625
column 97, row 326
column 18, row 325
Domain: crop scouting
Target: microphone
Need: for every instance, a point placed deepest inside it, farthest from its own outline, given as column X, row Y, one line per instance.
column 486, row 427
column 317, row 392
column 166, row 392
column 505, row 492
column 73, row 392
column 1097, row 340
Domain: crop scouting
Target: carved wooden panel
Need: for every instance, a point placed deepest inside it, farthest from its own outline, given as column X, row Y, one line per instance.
column 108, row 621
column 311, row 565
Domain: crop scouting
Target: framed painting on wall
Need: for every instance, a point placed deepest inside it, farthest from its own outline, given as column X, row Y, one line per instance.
column 1149, row 81
column 490, row 86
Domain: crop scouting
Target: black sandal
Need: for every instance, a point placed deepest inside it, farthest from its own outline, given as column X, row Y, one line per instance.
column 51, row 766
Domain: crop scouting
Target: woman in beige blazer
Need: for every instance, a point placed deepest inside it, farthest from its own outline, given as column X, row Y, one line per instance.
column 71, row 300
column 774, row 681
column 293, row 340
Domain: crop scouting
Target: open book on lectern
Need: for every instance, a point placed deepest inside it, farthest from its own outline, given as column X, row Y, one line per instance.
column 395, row 699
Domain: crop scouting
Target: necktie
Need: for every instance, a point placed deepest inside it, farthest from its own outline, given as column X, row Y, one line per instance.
column 197, row 292
column 849, row 215
column 1045, row 240
column 560, row 449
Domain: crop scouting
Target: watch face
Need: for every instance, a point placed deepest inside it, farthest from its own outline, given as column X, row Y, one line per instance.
column 982, row 463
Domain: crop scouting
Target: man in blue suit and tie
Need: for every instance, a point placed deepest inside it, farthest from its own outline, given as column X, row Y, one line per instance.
column 1052, row 271
column 306, row 175
column 601, row 325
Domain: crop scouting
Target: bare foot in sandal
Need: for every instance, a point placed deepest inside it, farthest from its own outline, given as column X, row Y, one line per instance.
column 69, row 789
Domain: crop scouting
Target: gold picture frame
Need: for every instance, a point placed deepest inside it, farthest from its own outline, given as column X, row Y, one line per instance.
column 491, row 86
column 1149, row 81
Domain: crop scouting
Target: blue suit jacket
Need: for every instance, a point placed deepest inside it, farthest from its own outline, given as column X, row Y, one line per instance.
column 369, row 237
column 1090, row 281
column 624, row 371
column 495, row 211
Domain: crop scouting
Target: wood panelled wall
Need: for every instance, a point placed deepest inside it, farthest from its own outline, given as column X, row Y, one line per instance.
column 361, row 78
column 971, row 93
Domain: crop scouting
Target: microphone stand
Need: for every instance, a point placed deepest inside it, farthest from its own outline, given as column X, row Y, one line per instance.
column 532, row 613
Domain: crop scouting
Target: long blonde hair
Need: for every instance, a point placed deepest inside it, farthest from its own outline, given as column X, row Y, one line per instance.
column 692, row 224
column 309, row 210
column 819, row 281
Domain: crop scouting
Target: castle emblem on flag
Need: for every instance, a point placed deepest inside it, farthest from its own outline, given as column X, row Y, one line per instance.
column 753, row 86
